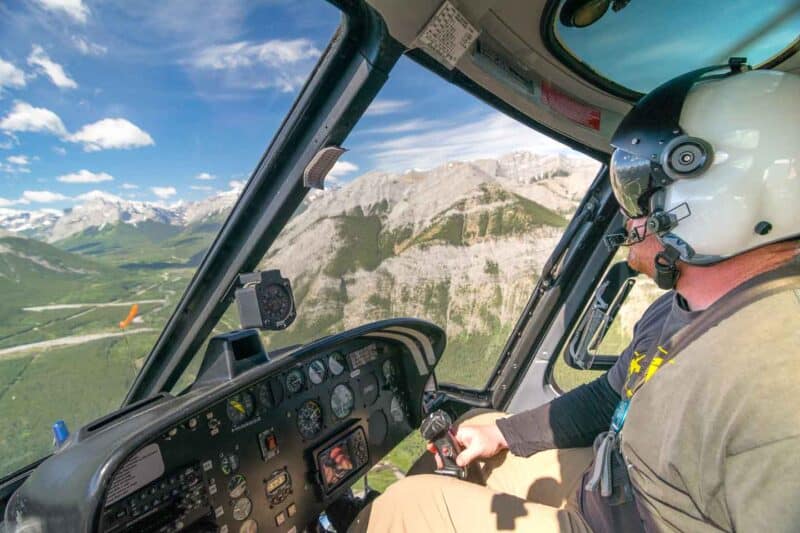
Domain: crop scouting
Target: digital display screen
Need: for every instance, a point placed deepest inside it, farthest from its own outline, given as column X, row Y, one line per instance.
column 276, row 482
column 335, row 463
column 362, row 356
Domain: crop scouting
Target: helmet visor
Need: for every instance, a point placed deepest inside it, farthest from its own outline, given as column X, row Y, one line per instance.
column 630, row 181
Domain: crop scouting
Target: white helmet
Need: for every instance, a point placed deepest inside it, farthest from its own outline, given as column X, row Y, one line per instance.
column 712, row 158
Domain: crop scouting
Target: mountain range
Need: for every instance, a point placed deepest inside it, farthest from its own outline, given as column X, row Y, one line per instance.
column 461, row 245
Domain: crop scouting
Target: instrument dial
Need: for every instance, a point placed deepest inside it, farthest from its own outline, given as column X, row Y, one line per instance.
column 240, row 407
column 276, row 302
column 250, row 526
column 309, row 419
column 270, row 393
column 242, row 508
column 316, row 372
column 237, row 486
column 397, row 410
column 336, row 363
column 389, row 373
column 295, row 380
column 342, row 401
column 229, row 463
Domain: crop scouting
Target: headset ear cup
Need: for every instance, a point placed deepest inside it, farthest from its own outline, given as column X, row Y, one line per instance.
column 686, row 157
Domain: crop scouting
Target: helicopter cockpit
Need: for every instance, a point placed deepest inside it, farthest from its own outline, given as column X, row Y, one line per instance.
column 226, row 429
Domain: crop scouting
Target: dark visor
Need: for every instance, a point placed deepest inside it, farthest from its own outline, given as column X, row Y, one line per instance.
column 631, row 183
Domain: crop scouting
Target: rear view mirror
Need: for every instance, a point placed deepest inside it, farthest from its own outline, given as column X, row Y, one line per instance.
column 596, row 321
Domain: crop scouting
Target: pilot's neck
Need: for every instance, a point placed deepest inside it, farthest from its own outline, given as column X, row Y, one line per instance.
column 701, row 286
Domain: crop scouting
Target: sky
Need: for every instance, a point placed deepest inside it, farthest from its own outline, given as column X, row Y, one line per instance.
column 174, row 101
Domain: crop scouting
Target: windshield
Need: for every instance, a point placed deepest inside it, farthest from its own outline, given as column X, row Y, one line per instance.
column 640, row 44
column 127, row 132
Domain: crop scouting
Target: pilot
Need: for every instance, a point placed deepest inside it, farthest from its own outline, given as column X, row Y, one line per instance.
column 697, row 426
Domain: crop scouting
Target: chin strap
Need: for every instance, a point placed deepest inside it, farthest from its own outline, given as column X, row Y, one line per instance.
column 666, row 271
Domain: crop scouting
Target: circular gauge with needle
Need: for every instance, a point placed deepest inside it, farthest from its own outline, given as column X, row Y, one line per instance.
column 240, row 407
column 309, row 419
column 316, row 372
column 295, row 381
column 242, row 508
column 389, row 373
column 276, row 302
column 265, row 300
column 342, row 401
column 397, row 410
column 336, row 363
column 237, row 486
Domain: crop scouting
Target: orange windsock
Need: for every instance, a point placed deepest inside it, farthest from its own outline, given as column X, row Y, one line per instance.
column 131, row 315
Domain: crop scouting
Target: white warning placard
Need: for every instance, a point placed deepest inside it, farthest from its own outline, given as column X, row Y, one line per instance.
column 448, row 35
column 138, row 470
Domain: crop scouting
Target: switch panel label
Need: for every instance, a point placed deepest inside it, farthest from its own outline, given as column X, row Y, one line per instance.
column 141, row 468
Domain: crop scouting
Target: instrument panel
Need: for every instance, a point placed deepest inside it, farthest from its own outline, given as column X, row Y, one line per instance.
column 272, row 453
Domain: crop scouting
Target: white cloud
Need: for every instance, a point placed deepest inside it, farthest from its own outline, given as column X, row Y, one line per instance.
column 416, row 124
column 88, row 48
column 85, row 176
column 60, row 150
column 237, row 185
column 280, row 64
column 111, row 133
column 386, row 107
column 201, row 188
column 129, row 186
column 98, row 195
column 205, row 176
column 25, row 117
column 10, row 75
column 41, row 197
column 164, row 192
column 50, row 68
column 340, row 168
column 5, row 202
column 21, row 160
column 75, row 9
column 492, row 135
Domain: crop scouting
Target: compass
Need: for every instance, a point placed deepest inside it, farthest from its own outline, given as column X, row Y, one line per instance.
column 265, row 300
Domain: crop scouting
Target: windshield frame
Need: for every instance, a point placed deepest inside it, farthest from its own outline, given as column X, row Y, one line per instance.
column 547, row 25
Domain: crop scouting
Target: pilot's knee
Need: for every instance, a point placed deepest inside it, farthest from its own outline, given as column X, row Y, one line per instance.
column 413, row 487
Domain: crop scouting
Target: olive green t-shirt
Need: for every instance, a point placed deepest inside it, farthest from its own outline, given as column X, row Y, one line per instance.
column 712, row 440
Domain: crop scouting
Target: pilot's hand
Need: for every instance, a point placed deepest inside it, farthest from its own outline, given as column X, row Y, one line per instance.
column 477, row 442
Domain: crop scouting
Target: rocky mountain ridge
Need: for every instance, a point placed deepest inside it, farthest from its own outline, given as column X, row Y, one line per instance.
column 553, row 180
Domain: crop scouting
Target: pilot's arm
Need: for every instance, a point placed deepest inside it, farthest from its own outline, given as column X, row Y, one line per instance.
column 572, row 420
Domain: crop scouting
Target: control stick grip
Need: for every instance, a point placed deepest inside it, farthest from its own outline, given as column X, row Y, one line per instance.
column 437, row 428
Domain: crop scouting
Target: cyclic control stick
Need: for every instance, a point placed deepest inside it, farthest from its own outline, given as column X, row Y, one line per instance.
column 437, row 428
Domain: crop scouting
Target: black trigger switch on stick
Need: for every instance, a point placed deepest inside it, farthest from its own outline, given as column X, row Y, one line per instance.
column 437, row 428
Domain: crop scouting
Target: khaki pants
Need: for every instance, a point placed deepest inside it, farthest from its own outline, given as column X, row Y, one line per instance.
column 536, row 493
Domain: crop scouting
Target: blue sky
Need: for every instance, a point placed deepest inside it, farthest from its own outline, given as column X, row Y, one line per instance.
column 170, row 101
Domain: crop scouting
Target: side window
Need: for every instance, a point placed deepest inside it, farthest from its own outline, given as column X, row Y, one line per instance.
column 620, row 333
